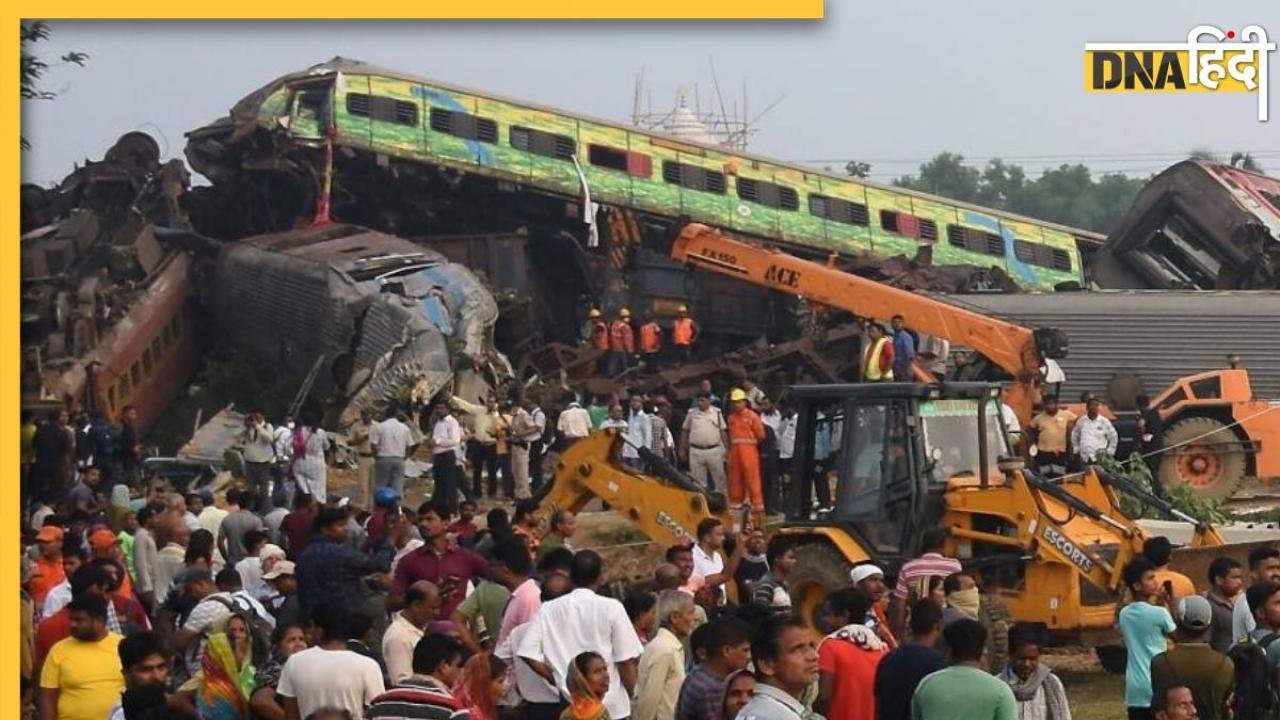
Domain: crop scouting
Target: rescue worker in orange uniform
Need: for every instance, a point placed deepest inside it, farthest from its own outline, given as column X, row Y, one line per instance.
column 746, row 431
column 684, row 333
column 596, row 334
column 650, row 342
column 877, row 354
column 622, row 343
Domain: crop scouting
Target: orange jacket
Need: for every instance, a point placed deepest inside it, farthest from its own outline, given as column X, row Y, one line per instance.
column 745, row 427
column 650, row 337
column 684, row 331
column 622, row 337
column 600, row 334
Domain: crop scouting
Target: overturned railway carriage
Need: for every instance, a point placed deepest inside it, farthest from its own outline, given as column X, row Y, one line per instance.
column 1197, row 226
column 417, row 157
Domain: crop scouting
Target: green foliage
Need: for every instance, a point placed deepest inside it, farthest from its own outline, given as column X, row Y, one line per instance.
column 626, row 534
column 1181, row 497
column 1068, row 194
column 33, row 68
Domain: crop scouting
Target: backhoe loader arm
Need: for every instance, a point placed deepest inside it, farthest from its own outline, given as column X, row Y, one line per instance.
column 1011, row 347
column 668, row 512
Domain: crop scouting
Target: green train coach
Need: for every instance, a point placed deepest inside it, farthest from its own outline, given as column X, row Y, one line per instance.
column 556, row 152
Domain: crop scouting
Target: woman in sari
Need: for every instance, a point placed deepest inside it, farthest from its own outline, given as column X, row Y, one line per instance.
column 482, row 682
column 264, row 701
column 588, row 681
column 738, row 689
column 222, row 687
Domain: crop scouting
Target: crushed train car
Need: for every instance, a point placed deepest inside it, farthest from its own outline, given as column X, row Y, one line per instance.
column 368, row 318
column 1196, row 226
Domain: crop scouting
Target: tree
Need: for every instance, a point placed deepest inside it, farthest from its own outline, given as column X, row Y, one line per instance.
column 33, row 68
column 945, row 175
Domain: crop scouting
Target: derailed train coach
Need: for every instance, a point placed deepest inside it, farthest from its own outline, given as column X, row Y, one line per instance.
column 367, row 319
column 1196, row 226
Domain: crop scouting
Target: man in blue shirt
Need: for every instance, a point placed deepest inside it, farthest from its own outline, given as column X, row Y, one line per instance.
column 904, row 351
column 1144, row 625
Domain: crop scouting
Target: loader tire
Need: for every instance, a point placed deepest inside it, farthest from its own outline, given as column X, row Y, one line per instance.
column 819, row 570
column 1213, row 475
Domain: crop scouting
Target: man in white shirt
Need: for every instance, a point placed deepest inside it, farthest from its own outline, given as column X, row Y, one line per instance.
column 1093, row 434
column 703, row 439
column 639, row 433
column 574, row 422
column 446, row 443
column 422, row 604
column 537, row 447
column 709, row 564
column 329, row 675
column 585, row 621
column 392, row 442
column 1264, row 566
column 769, row 414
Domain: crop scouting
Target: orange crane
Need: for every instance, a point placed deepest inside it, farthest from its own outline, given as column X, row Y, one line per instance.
column 1024, row 353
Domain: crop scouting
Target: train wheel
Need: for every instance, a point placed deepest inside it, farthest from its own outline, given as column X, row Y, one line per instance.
column 1196, row 459
column 819, row 569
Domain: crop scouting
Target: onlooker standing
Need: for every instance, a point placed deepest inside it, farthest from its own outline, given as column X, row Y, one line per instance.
column 329, row 675
column 360, row 437
column 877, row 354
column 311, row 444
column 329, row 569
column 1226, row 584
column 661, row 670
column 753, row 566
column 915, row 575
column 1176, row 704
column 258, row 441
column 446, row 444
column 584, row 621
column 1038, row 692
column 524, row 433
column 684, row 333
column 287, row 640
column 483, row 445
column 708, row 560
column 868, row 579
column 421, row 606
column 437, row 662
column 786, row 660
column 964, row 691
column 146, row 557
column 1259, row 648
column 1093, row 434
column 847, row 660
column 901, row 671
column 1151, row 431
column 392, row 442
column 1208, row 673
column 574, row 422
column 239, row 521
column 80, row 678
column 904, row 350
column 1049, row 431
column 1144, row 625
column 1264, row 566
column 703, row 441
column 771, row 591
column 49, row 571
column 144, row 661
column 1174, row 584
column 728, row 650
column 639, row 433
column 561, row 528
column 439, row 561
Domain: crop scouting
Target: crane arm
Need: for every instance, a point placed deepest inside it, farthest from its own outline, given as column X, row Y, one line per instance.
column 1011, row 347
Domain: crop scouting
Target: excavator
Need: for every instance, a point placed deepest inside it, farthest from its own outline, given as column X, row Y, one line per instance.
column 904, row 457
column 1217, row 432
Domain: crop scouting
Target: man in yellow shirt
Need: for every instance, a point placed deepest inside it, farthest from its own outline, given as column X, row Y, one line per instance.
column 1173, row 584
column 81, row 678
column 1050, row 431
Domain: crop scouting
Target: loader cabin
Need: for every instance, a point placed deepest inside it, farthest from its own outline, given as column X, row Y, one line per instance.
column 888, row 451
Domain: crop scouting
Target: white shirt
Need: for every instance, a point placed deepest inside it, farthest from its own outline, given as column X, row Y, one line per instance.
column 773, row 419
column 283, row 439
column 787, row 437
column 705, row 566
column 446, row 435
column 250, row 570
column 575, row 422
column 1092, row 435
column 575, row 623
column 1010, row 418
column 1242, row 620
column 529, row 685
column 56, row 599
column 398, row 642
column 203, row 617
column 319, row 678
column 391, row 438
column 639, row 434
column 539, row 420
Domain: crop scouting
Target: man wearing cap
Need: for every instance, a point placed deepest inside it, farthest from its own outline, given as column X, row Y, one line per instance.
column 622, row 343
column 104, row 544
column 703, row 439
column 650, row 342
column 284, row 604
column 868, row 579
column 49, row 570
column 1208, row 673
column 684, row 333
column 745, row 431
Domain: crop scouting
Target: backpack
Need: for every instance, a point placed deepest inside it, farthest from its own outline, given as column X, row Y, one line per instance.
column 260, row 629
column 1255, row 691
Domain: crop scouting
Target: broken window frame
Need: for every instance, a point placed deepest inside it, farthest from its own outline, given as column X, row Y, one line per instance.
column 922, row 229
column 632, row 163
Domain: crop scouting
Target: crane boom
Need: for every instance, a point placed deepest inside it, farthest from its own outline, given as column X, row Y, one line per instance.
column 1013, row 348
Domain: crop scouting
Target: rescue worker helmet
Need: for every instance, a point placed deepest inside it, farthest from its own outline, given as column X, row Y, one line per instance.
column 595, row 313
column 624, row 313
column 737, row 394
column 682, row 309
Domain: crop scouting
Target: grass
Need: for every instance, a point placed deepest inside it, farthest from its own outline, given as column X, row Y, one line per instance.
column 1094, row 695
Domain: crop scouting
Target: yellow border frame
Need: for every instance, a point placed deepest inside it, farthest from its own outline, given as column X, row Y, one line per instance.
column 12, row 164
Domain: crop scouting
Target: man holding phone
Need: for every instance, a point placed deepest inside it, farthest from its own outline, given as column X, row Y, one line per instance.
column 440, row 561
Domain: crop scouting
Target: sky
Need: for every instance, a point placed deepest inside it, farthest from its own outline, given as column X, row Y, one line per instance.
column 887, row 83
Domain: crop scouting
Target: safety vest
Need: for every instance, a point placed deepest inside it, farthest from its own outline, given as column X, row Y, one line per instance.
column 650, row 337
column 621, row 337
column 871, row 362
column 682, row 332
column 600, row 334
